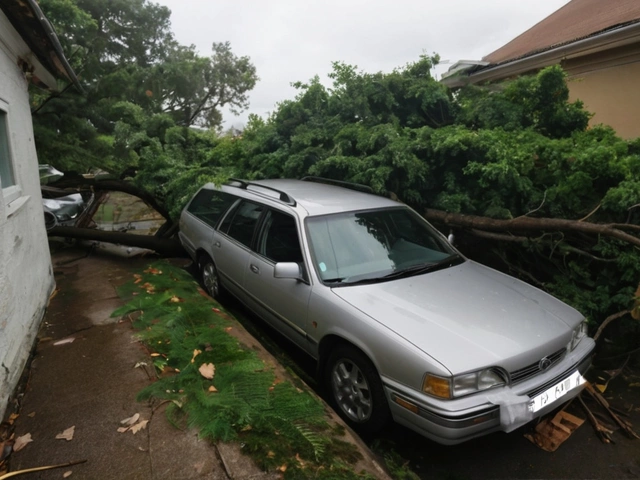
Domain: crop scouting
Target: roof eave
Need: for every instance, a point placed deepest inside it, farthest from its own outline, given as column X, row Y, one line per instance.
column 47, row 56
column 604, row 41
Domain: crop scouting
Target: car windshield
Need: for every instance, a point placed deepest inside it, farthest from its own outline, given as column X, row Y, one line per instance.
column 375, row 245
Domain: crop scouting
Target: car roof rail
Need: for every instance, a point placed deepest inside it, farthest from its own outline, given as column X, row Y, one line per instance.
column 339, row 183
column 282, row 196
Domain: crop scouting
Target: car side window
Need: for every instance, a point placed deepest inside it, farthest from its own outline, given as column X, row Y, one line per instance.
column 241, row 223
column 279, row 241
column 210, row 205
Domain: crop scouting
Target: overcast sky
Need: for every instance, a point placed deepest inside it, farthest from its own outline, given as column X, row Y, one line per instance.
column 293, row 40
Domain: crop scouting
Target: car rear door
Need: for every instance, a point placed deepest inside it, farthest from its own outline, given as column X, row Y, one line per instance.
column 232, row 243
column 283, row 302
column 198, row 220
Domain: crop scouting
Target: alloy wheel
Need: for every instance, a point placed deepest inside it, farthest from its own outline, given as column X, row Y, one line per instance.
column 351, row 390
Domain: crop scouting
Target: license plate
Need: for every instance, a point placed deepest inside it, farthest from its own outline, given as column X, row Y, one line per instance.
column 556, row 392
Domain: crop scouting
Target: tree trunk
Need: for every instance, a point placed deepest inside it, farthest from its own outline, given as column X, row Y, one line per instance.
column 168, row 247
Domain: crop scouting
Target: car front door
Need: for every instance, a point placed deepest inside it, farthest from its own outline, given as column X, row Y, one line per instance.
column 282, row 302
column 232, row 243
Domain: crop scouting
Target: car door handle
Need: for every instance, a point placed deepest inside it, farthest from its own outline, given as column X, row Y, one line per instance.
column 216, row 244
column 254, row 269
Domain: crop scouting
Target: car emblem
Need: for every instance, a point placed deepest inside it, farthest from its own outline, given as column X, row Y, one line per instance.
column 544, row 364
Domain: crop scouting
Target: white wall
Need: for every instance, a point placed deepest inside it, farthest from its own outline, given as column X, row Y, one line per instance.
column 26, row 277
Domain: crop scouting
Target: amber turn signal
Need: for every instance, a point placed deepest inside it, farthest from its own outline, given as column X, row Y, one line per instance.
column 437, row 386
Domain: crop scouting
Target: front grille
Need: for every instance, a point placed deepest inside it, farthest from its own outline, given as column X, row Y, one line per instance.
column 541, row 388
column 529, row 371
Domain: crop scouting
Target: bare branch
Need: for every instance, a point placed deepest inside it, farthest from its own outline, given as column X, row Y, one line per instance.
column 591, row 213
column 544, row 198
column 608, row 320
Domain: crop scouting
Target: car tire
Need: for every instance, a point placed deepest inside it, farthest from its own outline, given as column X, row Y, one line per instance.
column 355, row 389
column 210, row 277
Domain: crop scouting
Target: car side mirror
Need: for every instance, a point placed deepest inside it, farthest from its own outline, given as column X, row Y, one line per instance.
column 287, row 270
column 451, row 238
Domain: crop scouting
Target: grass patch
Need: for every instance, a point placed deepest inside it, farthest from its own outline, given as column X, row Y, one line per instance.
column 282, row 426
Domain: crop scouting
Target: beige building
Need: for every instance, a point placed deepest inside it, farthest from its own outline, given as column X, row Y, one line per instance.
column 597, row 42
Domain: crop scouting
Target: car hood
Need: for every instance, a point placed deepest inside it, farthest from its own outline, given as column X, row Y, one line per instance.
column 468, row 316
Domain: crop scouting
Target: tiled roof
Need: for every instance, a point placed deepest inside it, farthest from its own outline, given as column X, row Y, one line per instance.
column 576, row 20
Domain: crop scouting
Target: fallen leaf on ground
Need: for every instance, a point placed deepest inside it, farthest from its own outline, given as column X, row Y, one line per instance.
column 31, row 415
column 271, row 454
column 67, row 474
column 213, row 389
column 228, row 329
column 246, row 428
column 12, row 418
column 196, row 352
column 67, row 434
column 175, row 299
column 153, row 271
column 139, row 426
column 283, row 468
column 155, row 354
column 21, row 442
column 131, row 420
column 122, row 429
column 140, row 364
column 635, row 384
column 300, row 461
column 207, row 370
column 64, row 341
column 217, row 310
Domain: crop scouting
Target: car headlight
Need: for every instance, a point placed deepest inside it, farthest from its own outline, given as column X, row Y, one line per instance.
column 578, row 334
column 461, row 385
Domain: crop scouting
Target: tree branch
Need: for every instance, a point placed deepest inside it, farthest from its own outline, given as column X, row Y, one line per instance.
column 528, row 224
column 80, row 183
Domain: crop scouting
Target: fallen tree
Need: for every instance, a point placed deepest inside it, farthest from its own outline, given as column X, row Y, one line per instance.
column 531, row 225
column 162, row 242
column 169, row 247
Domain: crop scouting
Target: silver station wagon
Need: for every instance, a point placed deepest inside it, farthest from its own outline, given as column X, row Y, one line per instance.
column 401, row 324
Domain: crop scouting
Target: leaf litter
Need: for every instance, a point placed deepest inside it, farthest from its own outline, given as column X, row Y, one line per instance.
column 22, row 442
column 284, row 428
column 131, row 424
column 67, row 434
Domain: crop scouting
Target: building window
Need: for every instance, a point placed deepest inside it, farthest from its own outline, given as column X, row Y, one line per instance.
column 7, row 177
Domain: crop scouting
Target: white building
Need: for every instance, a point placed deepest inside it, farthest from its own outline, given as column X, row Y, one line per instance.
column 29, row 53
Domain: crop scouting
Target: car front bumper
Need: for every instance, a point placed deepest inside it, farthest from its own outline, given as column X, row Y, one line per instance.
column 501, row 409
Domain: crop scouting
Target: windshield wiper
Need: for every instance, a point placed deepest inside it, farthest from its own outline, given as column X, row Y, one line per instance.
column 447, row 262
column 334, row 280
column 451, row 260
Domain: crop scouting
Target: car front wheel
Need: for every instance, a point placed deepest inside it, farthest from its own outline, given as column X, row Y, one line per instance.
column 210, row 277
column 355, row 389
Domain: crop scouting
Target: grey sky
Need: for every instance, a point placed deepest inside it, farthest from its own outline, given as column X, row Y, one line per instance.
column 292, row 40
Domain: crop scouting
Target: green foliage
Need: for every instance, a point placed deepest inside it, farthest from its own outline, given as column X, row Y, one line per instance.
column 502, row 151
column 540, row 102
column 138, row 81
column 278, row 423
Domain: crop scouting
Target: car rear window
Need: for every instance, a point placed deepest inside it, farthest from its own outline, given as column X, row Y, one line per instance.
column 241, row 223
column 210, row 205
